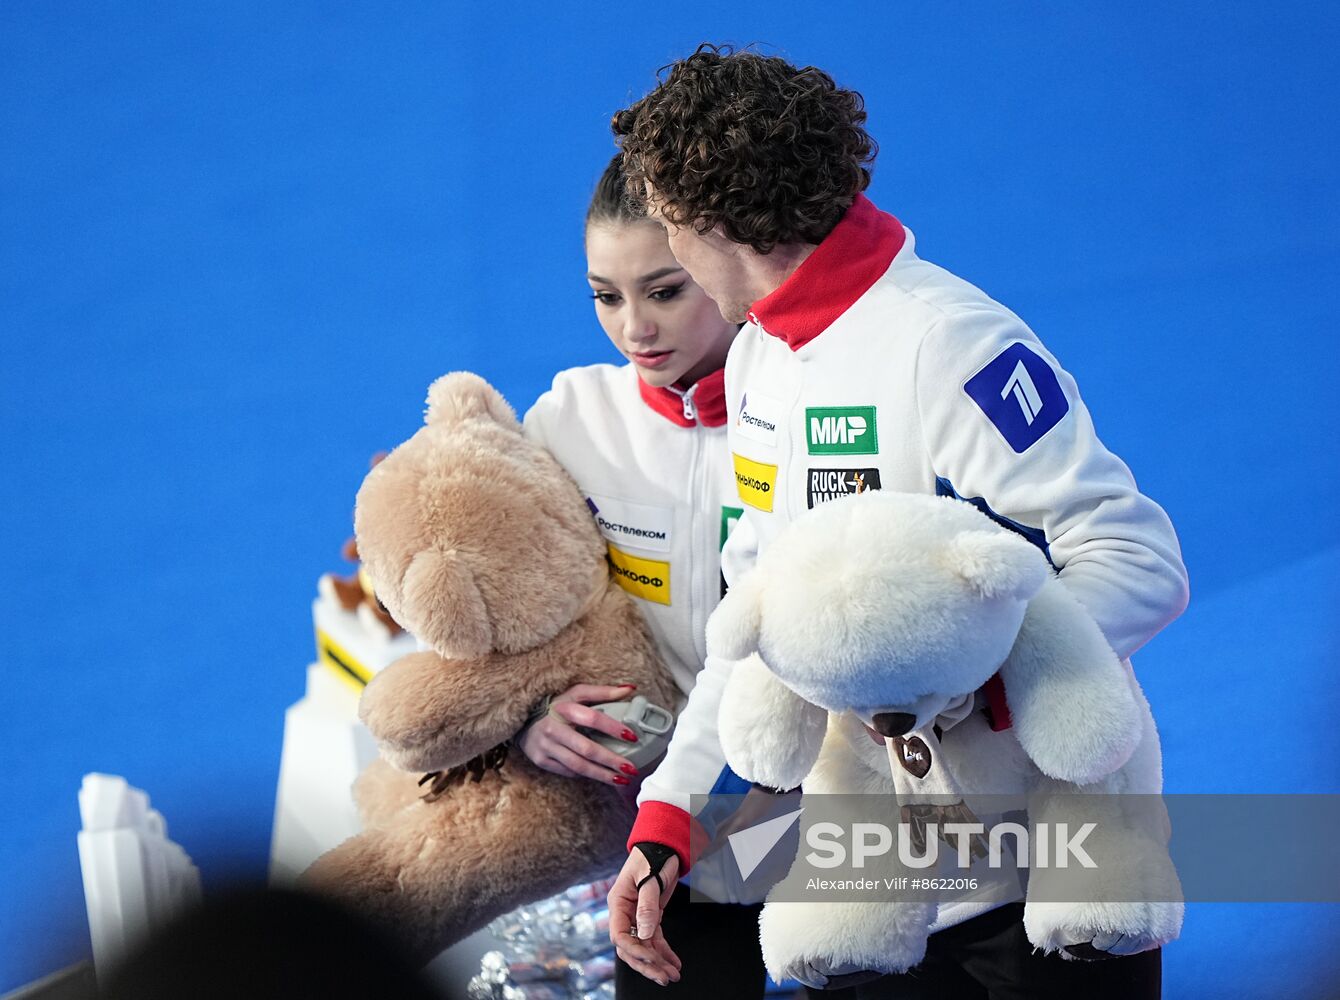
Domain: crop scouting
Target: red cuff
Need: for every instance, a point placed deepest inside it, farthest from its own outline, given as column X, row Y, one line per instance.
column 662, row 823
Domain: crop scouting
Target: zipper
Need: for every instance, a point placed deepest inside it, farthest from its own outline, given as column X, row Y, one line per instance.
column 697, row 620
column 690, row 411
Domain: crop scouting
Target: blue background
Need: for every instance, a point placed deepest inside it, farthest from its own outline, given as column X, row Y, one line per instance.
column 237, row 241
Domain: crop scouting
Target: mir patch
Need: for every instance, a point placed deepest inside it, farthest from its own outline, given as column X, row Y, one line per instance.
column 1020, row 395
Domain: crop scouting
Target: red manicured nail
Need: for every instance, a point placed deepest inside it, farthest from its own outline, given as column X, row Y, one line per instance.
column 633, row 686
column 628, row 769
column 629, row 735
column 620, row 780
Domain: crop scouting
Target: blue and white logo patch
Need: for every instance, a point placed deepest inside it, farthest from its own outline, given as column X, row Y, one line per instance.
column 1020, row 395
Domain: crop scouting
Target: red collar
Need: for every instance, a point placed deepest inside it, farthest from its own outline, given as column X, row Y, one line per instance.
column 839, row 271
column 709, row 401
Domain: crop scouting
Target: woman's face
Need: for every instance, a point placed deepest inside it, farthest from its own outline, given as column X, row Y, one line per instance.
column 650, row 308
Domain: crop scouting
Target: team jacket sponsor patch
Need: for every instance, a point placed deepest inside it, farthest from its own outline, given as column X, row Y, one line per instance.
column 648, row 579
column 758, row 418
column 730, row 516
column 756, row 482
column 841, row 430
column 639, row 525
column 1020, row 395
column 822, row 485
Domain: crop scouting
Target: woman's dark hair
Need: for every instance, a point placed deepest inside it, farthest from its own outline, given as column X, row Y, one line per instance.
column 611, row 201
column 771, row 153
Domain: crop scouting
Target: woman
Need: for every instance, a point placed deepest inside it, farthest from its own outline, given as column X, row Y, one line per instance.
column 646, row 444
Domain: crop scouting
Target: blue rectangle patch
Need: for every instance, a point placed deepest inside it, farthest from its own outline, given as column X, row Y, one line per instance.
column 1020, row 395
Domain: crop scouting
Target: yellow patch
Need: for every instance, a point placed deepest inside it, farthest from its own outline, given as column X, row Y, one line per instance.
column 648, row 579
column 756, row 482
column 339, row 660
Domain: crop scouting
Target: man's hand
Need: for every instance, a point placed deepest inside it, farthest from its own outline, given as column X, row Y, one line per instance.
column 553, row 745
column 1110, row 944
column 635, row 916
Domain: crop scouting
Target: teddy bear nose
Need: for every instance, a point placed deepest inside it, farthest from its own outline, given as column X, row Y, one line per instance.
column 894, row 723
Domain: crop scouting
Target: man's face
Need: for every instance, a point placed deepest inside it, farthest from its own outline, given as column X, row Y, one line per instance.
column 714, row 262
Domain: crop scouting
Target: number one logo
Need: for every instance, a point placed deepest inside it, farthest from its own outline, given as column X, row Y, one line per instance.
column 1025, row 392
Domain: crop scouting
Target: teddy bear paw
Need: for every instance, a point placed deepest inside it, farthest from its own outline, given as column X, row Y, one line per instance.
column 831, row 944
column 1091, row 931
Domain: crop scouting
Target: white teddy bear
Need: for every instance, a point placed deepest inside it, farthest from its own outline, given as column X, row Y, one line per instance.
column 891, row 611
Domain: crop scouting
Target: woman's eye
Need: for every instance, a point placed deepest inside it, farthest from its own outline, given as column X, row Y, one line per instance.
column 664, row 294
column 605, row 298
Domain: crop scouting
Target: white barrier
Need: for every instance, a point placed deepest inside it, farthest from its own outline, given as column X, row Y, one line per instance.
column 325, row 746
column 135, row 878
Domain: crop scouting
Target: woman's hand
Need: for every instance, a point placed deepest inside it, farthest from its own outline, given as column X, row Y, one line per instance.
column 552, row 744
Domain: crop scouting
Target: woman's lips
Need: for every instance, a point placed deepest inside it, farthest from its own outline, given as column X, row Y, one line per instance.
column 651, row 359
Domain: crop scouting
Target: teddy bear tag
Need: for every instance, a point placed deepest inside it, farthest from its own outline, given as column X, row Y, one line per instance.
column 914, row 755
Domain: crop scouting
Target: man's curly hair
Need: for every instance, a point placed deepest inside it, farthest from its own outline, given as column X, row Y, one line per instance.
column 771, row 153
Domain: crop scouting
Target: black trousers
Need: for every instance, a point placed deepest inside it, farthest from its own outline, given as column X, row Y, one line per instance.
column 990, row 958
column 718, row 945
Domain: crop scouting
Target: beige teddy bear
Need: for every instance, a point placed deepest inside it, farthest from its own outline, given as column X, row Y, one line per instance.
column 481, row 546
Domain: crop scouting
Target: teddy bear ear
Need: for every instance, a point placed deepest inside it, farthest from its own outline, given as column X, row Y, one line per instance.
column 732, row 631
column 997, row 563
column 464, row 396
column 448, row 609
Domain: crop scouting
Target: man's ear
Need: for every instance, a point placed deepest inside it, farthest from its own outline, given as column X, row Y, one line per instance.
column 732, row 631
column 997, row 563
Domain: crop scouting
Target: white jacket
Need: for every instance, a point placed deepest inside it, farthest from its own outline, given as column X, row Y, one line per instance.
column 872, row 369
column 655, row 470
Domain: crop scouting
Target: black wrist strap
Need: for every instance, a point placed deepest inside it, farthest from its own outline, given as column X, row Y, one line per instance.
column 657, row 855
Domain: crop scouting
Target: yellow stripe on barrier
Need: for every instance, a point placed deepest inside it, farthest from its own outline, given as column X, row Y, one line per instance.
column 341, row 662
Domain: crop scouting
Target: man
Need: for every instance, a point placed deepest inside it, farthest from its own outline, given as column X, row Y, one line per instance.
column 859, row 357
